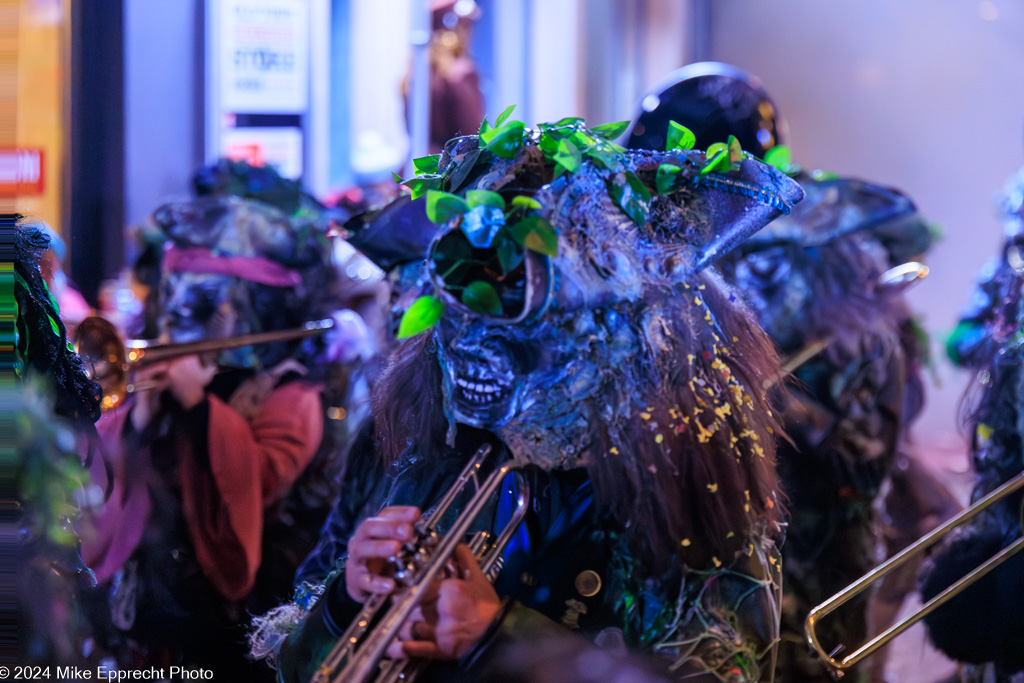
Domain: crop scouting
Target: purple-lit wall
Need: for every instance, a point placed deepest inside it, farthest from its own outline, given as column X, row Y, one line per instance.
column 923, row 95
column 163, row 102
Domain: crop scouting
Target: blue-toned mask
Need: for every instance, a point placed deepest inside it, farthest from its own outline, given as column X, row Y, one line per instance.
column 566, row 286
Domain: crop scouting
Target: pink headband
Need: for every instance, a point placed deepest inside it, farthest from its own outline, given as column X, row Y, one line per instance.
column 250, row 268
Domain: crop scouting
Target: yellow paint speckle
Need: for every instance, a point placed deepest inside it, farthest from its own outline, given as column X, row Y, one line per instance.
column 685, row 543
column 613, row 450
column 659, row 438
column 718, row 563
column 646, row 416
column 713, row 488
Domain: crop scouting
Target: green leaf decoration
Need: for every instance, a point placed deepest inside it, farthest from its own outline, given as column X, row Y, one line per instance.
column 426, row 164
column 477, row 198
column 481, row 297
column 421, row 316
column 510, row 254
column 536, row 234
column 568, row 156
column 667, row 176
column 604, row 157
column 423, row 184
column 610, row 131
column 504, row 141
column 715, row 148
column 629, row 192
column 485, row 127
column 398, row 178
column 717, row 159
column 779, row 156
column 679, row 137
column 524, row 202
column 561, row 123
column 582, row 138
column 548, row 144
column 504, row 115
column 735, row 150
column 443, row 206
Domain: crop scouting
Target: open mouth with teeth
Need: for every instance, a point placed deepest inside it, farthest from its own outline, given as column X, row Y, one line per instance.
column 482, row 401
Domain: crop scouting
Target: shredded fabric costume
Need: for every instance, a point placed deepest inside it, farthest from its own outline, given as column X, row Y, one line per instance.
column 813, row 276
column 581, row 333
column 983, row 626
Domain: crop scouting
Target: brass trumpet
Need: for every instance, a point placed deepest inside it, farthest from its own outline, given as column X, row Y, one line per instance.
column 110, row 362
column 838, row 666
column 358, row 656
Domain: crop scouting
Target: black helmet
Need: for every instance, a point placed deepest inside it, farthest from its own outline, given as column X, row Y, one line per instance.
column 714, row 100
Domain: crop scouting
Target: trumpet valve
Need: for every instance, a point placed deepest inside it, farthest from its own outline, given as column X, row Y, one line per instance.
column 495, row 569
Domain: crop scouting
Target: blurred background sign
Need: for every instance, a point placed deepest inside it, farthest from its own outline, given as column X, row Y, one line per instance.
column 258, row 82
column 21, row 172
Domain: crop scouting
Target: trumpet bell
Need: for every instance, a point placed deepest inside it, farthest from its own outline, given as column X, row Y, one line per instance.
column 103, row 356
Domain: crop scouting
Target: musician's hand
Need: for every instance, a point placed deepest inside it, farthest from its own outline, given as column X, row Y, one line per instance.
column 465, row 606
column 187, row 379
column 147, row 401
column 375, row 540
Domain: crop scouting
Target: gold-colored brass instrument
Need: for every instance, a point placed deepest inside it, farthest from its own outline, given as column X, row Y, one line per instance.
column 838, row 666
column 110, row 362
column 359, row 655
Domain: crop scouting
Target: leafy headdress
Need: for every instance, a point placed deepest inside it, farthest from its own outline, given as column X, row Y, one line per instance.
column 576, row 319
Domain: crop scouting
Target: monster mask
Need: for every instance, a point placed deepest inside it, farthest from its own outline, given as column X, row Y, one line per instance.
column 828, row 255
column 231, row 267
column 568, row 272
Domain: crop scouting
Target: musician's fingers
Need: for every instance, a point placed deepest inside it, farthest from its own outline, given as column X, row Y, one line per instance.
column 412, row 649
column 155, row 373
column 405, row 632
column 423, row 631
column 469, row 567
column 416, row 630
column 373, row 583
column 365, row 549
column 403, row 513
column 380, row 527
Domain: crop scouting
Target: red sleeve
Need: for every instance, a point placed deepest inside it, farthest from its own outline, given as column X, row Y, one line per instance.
column 251, row 465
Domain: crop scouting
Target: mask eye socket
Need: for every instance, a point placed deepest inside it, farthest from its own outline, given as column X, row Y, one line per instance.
column 503, row 282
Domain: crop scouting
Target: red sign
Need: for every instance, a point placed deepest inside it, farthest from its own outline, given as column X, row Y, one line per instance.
column 21, row 172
